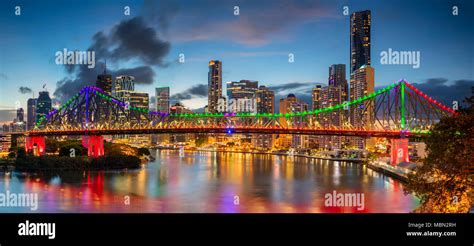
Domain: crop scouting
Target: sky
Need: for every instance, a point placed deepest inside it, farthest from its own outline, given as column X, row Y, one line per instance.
column 253, row 45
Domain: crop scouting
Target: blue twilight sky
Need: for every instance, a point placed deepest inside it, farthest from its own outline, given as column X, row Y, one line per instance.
column 253, row 45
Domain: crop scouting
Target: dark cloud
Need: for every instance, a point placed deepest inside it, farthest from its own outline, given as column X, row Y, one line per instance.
column 67, row 87
column 134, row 39
column 24, row 90
column 436, row 81
column 193, row 92
column 130, row 40
column 439, row 89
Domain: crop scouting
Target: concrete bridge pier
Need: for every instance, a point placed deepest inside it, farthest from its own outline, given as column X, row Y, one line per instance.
column 94, row 145
column 399, row 151
column 35, row 144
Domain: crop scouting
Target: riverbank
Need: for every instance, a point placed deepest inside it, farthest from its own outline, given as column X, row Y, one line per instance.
column 270, row 153
column 388, row 170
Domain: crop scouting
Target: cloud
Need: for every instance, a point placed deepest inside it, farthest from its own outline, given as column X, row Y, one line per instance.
column 293, row 87
column 439, row 89
column 193, row 92
column 258, row 22
column 130, row 40
column 24, row 90
column 134, row 39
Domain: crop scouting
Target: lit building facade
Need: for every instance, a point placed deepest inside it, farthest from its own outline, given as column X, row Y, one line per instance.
column 265, row 104
column 214, row 85
column 31, row 113
column 360, row 39
column 43, row 105
column 123, row 86
column 162, row 96
column 362, row 115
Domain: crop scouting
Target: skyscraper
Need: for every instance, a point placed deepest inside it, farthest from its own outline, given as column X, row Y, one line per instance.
column 337, row 78
column 285, row 140
column 265, row 104
column 123, row 86
column 360, row 39
column 104, row 81
column 242, row 89
column 214, row 85
column 43, row 104
column 362, row 115
column 265, row 100
column 316, row 97
column 162, row 95
column 243, row 94
column 31, row 113
column 20, row 115
column 139, row 100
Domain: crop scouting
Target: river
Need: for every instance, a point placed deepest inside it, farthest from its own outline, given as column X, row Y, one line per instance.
column 209, row 182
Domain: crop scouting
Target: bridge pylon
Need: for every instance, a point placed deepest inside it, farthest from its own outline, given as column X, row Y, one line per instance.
column 94, row 145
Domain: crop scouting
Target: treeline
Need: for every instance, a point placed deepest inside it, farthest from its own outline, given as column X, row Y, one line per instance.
column 109, row 162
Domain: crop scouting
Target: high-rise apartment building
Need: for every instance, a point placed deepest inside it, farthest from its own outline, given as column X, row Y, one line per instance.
column 162, row 97
column 360, row 39
column 31, row 113
column 214, row 85
column 43, row 104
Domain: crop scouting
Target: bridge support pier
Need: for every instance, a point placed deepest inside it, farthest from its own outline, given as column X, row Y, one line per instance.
column 94, row 145
column 399, row 151
column 35, row 144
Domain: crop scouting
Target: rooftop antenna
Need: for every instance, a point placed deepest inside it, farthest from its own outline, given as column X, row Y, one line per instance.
column 105, row 67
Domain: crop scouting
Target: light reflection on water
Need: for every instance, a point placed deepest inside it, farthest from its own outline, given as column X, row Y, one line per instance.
column 212, row 182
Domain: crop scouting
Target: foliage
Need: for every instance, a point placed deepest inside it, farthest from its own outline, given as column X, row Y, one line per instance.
column 11, row 155
column 32, row 163
column 444, row 181
column 79, row 150
column 143, row 151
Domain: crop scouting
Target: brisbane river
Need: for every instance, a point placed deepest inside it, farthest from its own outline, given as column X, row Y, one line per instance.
column 210, row 182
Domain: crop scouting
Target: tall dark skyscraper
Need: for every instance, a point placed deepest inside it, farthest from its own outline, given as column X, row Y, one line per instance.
column 360, row 39
column 337, row 78
column 31, row 113
column 214, row 85
column 104, row 81
column 43, row 104
column 20, row 115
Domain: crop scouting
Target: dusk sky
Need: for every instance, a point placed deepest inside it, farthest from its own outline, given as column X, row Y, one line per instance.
column 254, row 45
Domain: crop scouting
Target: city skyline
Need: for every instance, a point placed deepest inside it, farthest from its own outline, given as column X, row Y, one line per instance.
column 238, row 106
column 191, row 92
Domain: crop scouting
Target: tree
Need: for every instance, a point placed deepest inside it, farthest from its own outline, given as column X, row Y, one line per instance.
column 79, row 150
column 444, row 181
column 11, row 155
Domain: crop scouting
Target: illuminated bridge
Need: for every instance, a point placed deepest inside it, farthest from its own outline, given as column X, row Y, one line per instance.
column 398, row 111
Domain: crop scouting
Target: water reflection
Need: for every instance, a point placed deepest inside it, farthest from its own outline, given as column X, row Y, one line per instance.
column 212, row 182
